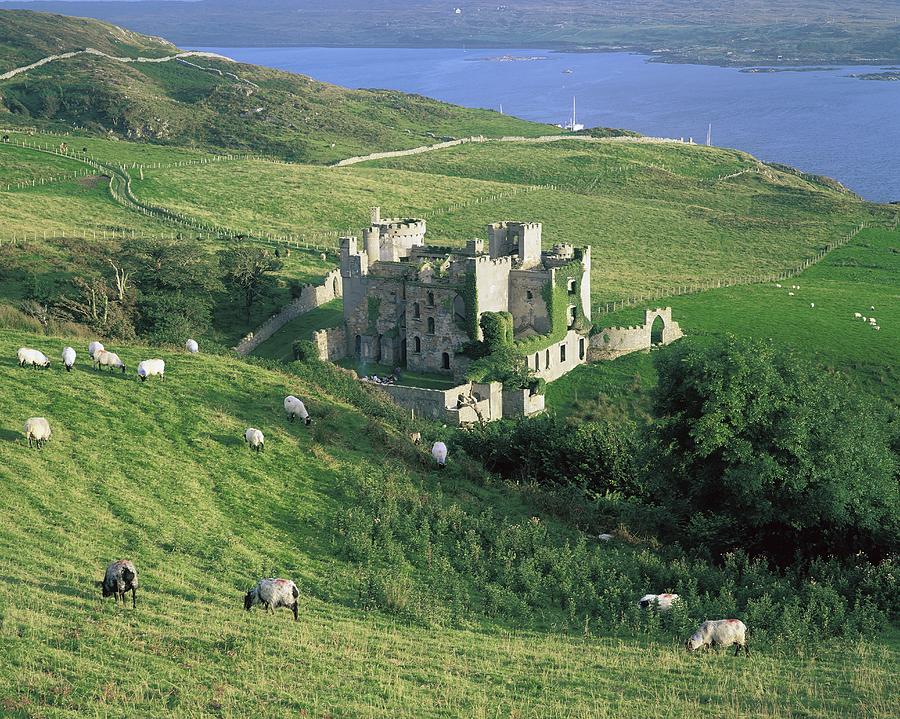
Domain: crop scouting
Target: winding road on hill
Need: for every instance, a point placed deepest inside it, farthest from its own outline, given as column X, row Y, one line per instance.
column 91, row 51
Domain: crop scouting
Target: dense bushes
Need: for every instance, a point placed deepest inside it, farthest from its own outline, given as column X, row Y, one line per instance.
column 755, row 448
column 429, row 559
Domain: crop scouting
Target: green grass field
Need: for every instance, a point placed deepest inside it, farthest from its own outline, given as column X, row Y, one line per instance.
column 850, row 279
column 280, row 345
column 158, row 472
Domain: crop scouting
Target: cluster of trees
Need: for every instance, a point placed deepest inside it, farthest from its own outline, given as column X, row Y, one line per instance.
column 749, row 447
column 160, row 290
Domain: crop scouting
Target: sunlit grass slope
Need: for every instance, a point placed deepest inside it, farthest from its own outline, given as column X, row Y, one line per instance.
column 855, row 278
column 158, row 472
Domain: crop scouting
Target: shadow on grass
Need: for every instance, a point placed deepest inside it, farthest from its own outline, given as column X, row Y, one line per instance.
column 230, row 440
column 82, row 592
column 8, row 435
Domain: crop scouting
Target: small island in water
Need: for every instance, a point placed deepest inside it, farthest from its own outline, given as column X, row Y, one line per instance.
column 888, row 74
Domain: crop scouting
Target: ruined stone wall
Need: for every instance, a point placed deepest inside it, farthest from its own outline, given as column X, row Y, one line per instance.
column 521, row 403
column 311, row 296
column 493, row 402
column 561, row 357
column 526, row 301
column 331, row 343
column 614, row 342
column 492, row 283
column 435, row 304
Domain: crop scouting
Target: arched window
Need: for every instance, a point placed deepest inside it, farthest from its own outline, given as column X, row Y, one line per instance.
column 537, row 360
column 572, row 285
column 431, row 325
column 334, row 288
column 581, row 348
column 417, row 345
column 445, row 360
column 459, row 307
column 416, row 311
column 656, row 330
column 431, row 299
column 547, row 359
column 562, row 353
column 529, row 295
column 571, row 315
column 358, row 345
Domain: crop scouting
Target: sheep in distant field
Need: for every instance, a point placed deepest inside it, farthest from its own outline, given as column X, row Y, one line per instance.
column 273, row 593
column 192, row 346
column 295, row 408
column 812, row 305
column 873, row 321
column 151, row 368
column 872, row 308
column 37, row 430
column 120, row 578
column 93, row 348
column 663, row 601
column 323, row 257
column 865, row 319
column 415, row 437
column 857, row 315
column 255, row 439
column 790, row 294
column 105, row 358
column 720, row 633
column 778, row 286
column 439, row 452
column 32, row 358
column 876, row 327
column 68, row 358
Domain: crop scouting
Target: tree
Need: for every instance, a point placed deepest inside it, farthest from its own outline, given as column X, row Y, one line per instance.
column 170, row 317
column 169, row 265
column 247, row 269
column 753, row 447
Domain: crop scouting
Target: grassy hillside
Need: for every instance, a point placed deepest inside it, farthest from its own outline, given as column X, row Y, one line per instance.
column 212, row 103
column 849, row 280
column 158, row 472
column 656, row 215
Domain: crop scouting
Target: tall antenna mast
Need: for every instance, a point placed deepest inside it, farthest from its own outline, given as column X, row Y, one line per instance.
column 709, row 135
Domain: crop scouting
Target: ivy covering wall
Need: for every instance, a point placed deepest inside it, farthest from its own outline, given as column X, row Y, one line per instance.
column 556, row 296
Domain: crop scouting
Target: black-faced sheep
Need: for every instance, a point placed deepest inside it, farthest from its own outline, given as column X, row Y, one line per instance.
column 273, row 593
column 720, row 633
column 93, row 348
column 295, row 408
column 37, row 430
column 68, row 358
column 151, row 368
column 439, row 452
column 32, row 358
column 104, row 358
column 255, row 439
column 121, row 577
column 664, row 601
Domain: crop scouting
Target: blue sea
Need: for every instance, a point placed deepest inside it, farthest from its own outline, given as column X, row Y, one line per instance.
column 821, row 121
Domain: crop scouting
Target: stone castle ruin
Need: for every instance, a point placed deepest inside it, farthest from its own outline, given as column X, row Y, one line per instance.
column 416, row 307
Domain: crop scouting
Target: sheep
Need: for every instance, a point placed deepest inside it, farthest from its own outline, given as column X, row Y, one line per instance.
column 104, row 358
column 68, row 358
column 192, row 346
column 151, row 368
column 720, row 633
column 790, row 294
column 857, row 315
column 605, row 537
column 273, row 593
column 415, row 437
column 877, row 327
column 295, row 408
column 812, row 305
column 439, row 452
column 662, row 601
column 32, row 358
column 255, row 439
column 872, row 307
column 121, row 577
column 93, row 348
column 37, row 430
column 873, row 321
column 778, row 286
column 865, row 319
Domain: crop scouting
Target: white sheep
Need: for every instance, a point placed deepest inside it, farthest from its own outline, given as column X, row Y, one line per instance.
column 105, row 358
column 255, row 439
column 812, row 305
column 415, row 437
column 93, row 348
column 151, row 368
column 873, row 321
column 37, row 430
column 295, row 408
column 273, row 593
column 790, row 294
column 439, row 452
column 68, row 358
column 720, row 633
column 120, row 578
column 876, row 327
column 778, row 286
column 32, row 358
column 663, row 601
column 865, row 319
column 605, row 537
column 192, row 346
column 872, row 307
column 857, row 315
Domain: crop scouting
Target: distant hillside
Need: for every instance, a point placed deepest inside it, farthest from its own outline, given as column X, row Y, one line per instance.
column 211, row 102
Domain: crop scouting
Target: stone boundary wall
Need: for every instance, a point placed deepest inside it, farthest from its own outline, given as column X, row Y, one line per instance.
column 612, row 342
column 311, row 296
column 331, row 343
column 429, row 403
column 510, row 138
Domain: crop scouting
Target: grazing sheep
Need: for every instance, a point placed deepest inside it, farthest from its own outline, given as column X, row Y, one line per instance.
column 121, row 577
column 273, row 593
column 415, row 437
column 865, row 319
column 872, row 307
column 295, row 408
column 68, row 358
column 873, row 321
column 812, row 304
column 876, row 327
column 605, row 537
column 255, row 439
column 151, row 368
column 104, row 358
column 790, row 294
column 93, row 348
column 192, row 346
column 37, row 430
column 720, row 633
column 663, row 601
column 857, row 315
column 439, row 452
column 778, row 286
column 32, row 358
